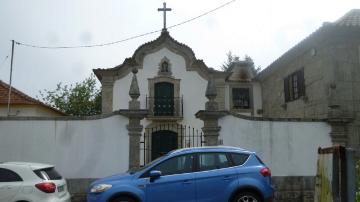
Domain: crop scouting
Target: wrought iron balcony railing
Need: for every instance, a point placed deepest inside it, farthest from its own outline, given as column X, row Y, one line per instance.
column 158, row 106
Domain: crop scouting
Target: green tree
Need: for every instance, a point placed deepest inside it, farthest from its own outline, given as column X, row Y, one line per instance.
column 81, row 99
column 250, row 60
column 230, row 59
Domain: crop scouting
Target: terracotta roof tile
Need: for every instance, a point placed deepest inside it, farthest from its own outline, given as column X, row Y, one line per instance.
column 18, row 97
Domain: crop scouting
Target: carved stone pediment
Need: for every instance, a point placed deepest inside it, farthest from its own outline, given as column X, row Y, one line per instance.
column 163, row 41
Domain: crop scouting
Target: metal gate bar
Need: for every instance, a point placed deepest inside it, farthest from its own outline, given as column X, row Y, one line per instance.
column 187, row 137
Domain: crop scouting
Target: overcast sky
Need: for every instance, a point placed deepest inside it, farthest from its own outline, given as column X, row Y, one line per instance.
column 262, row 29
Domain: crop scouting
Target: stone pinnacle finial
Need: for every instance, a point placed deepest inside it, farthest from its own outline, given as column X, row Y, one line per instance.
column 134, row 91
column 211, row 89
column 211, row 94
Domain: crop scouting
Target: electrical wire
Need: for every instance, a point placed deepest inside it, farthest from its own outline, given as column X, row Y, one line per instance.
column 86, row 46
column 126, row 39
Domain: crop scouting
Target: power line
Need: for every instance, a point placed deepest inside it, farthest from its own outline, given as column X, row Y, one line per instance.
column 86, row 46
column 126, row 39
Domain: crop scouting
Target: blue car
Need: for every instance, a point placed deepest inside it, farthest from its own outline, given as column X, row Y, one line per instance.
column 205, row 174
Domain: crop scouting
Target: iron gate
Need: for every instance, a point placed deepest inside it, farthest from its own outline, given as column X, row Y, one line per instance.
column 160, row 139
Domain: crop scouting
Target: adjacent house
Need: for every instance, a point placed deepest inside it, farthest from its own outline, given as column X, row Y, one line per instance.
column 319, row 78
column 23, row 105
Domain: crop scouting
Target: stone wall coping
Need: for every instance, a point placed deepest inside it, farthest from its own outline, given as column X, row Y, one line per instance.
column 124, row 113
column 252, row 118
column 205, row 114
column 62, row 118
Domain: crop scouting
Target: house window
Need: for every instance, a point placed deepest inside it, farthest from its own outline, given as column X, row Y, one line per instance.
column 241, row 98
column 294, row 86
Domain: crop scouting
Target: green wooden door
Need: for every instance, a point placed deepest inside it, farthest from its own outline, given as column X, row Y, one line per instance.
column 162, row 142
column 164, row 99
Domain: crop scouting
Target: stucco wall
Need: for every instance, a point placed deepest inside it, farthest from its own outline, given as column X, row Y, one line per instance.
column 317, row 74
column 347, row 79
column 78, row 148
column 192, row 85
column 288, row 148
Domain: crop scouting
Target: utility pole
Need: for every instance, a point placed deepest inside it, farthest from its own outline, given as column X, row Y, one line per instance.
column 11, row 70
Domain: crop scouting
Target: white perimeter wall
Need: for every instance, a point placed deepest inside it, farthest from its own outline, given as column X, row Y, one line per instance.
column 288, row 148
column 78, row 148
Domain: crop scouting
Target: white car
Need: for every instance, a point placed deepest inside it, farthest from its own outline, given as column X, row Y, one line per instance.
column 31, row 182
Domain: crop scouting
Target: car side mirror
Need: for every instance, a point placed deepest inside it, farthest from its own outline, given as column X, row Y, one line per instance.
column 154, row 174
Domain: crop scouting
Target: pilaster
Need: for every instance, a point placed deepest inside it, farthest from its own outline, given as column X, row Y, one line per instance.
column 338, row 121
column 211, row 115
column 211, row 127
column 135, row 115
column 107, row 84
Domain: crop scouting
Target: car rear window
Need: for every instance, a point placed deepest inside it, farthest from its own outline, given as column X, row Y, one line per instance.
column 238, row 158
column 48, row 174
column 260, row 160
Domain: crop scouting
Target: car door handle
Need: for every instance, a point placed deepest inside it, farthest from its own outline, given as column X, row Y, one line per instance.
column 187, row 182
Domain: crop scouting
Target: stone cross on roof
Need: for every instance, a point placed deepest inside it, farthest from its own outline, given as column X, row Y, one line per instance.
column 164, row 9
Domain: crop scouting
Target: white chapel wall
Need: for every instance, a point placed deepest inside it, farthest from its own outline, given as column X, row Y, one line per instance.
column 78, row 148
column 192, row 85
column 289, row 148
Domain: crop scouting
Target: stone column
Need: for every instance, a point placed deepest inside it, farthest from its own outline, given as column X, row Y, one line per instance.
column 211, row 115
column 134, row 127
column 107, row 84
column 135, row 114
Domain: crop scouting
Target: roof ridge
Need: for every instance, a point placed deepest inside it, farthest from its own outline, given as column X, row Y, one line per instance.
column 28, row 98
column 351, row 18
column 21, row 94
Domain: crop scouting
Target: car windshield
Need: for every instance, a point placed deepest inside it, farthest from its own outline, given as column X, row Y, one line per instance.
column 135, row 170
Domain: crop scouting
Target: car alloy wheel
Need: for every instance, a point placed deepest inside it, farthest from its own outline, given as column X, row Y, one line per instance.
column 247, row 197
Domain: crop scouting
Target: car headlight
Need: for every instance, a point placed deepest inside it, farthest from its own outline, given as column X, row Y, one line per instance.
column 100, row 188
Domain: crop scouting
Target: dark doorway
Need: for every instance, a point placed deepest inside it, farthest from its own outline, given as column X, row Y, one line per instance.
column 164, row 99
column 162, row 142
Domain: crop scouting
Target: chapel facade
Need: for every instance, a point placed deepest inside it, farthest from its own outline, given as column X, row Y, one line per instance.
column 318, row 78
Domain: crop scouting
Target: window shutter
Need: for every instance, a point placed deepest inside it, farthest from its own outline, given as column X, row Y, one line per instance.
column 301, row 82
column 286, row 89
